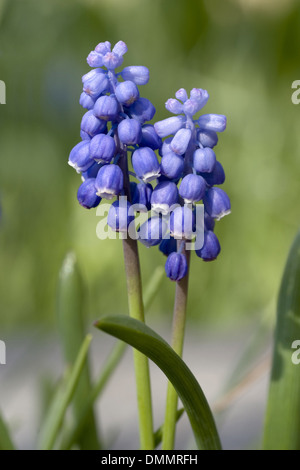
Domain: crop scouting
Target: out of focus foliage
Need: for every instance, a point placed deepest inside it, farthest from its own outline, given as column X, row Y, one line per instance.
column 244, row 52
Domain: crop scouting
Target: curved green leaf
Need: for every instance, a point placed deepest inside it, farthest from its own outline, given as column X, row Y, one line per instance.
column 145, row 340
column 282, row 424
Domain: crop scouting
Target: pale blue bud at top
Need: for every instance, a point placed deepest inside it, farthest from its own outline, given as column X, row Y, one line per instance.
column 204, row 160
column 209, row 222
column 192, row 188
column 168, row 246
column 199, row 95
column 181, row 95
column 172, row 165
column 212, row 122
column 109, row 181
column 120, row 48
column 182, row 222
column 84, row 135
column 111, row 60
column 191, row 107
column 164, row 196
column 103, row 47
column 150, row 137
column 102, row 148
column 174, row 106
column 95, row 83
column 216, row 177
column 91, row 124
column 86, row 194
column 94, row 59
column 136, row 73
column 152, row 231
column 79, row 157
column 208, row 138
column 130, row 131
column 169, row 126
column 145, row 164
column 176, row 266
column 86, row 101
column 181, row 141
column 166, row 146
column 217, row 203
column 141, row 195
column 106, row 108
column 91, row 172
column 119, row 215
column 127, row 92
column 211, row 247
column 142, row 110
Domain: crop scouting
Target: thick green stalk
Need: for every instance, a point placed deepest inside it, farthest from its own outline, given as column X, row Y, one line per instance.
column 178, row 329
column 282, row 424
column 136, row 311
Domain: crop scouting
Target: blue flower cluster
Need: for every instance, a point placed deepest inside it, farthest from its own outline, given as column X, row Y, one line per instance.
column 188, row 160
column 115, row 124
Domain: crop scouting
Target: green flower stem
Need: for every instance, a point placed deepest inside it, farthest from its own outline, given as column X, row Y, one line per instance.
column 136, row 311
column 178, row 329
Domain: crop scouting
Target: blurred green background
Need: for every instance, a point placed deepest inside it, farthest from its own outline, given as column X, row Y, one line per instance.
column 244, row 52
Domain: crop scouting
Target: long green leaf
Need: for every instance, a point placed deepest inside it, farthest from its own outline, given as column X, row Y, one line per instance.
column 54, row 419
column 189, row 391
column 282, row 424
column 70, row 306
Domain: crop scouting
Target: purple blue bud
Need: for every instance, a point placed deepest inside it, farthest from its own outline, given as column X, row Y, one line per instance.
column 217, row 203
column 103, row 47
column 204, row 160
column 109, row 181
column 106, row 108
column 91, row 124
column 120, row 48
column 141, row 195
column 130, row 131
column 181, row 95
column 120, row 215
column 111, row 60
column 80, row 158
column 172, row 165
column 199, row 95
column 181, row 141
column 150, row 137
column 145, row 164
column 191, row 107
column 152, row 231
column 182, row 223
column 94, row 59
column 176, row 266
column 127, row 93
column 212, row 122
column 174, row 106
column 91, row 172
column 192, row 188
column 216, row 177
column 86, row 101
column 136, row 73
column 211, row 247
column 142, row 110
column 164, row 196
column 169, row 126
column 168, row 246
column 208, row 138
column 209, row 222
column 86, row 194
column 95, row 83
column 102, row 148
column 84, row 135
